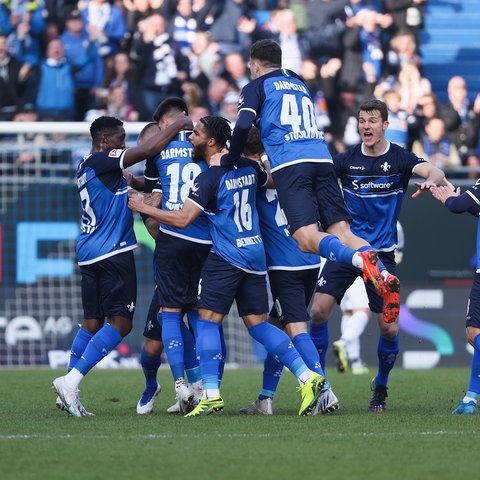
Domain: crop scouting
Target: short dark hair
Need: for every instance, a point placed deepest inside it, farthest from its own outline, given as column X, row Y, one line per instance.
column 218, row 128
column 268, row 52
column 253, row 145
column 168, row 105
column 146, row 131
column 375, row 104
column 103, row 125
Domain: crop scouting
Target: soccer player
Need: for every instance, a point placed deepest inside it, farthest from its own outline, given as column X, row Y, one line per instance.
column 105, row 249
column 279, row 102
column 374, row 176
column 355, row 316
column 180, row 253
column 235, row 268
column 457, row 202
column 292, row 275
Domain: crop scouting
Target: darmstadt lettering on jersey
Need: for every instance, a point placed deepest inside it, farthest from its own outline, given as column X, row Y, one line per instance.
column 240, row 182
column 176, row 153
column 246, row 241
column 284, row 85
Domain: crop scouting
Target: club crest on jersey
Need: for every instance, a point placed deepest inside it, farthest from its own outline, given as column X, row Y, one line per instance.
column 131, row 307
column 385, row 167
column 114, row 153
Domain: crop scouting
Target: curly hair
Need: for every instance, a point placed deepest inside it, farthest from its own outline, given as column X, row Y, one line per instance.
column 218, row 128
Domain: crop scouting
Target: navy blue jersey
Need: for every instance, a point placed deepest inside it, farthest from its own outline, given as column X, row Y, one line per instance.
column 174, row 168
column 474, row 193
column 374, row 188
column 107, row 222
column 228, row 196
column 281, row 249
column 281, row 106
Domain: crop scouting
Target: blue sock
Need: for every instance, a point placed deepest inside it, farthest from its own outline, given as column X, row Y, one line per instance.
column 150, row 366
column 305, row 347
column 160, row 318
column 381, row 266
column 319, row 334
column 332, row 248
column 79, row 345
column 387, row 352
column 192, row 316
column 173, row 342
column 100, row 345
column 272, row 371
column 189, row 352
column 474, row 385
column 278, row 344
column 221, row 368
column 209, row 348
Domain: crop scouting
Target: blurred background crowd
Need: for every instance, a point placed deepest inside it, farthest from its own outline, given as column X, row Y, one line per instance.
column 63, row 60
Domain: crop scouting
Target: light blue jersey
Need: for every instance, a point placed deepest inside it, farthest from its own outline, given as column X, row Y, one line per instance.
column 228, row 196
column 281, row 249
column 176, row 171
column 281, row 106
column 107, row 222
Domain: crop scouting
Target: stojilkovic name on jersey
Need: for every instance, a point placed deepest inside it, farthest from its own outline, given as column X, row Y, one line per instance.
column 240, row 182
column 176, row 153
column 173, row 206
column 370, row 185
column 300, row 134
column 246, row 241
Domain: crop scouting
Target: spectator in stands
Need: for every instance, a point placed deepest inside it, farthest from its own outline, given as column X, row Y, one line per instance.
column 216, row 92
column 427, row 107
column 407, row 15
column 30, row 142
column 105, row 24
column 229, row 107
column 83, row 56
column 118, row 106
column 122, row 74
column 402, row 48
column 411, row 86
column 184, row 25
column 12, row 78
column 161, row 67
column 462, row 117
column 55, row 103
column 205, row 59
column 24, row 27
column 397, row 131
column 434, row 146
column 224, row 29
column 235, row 70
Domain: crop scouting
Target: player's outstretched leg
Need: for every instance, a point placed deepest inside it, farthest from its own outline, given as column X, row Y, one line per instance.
column 371, row 271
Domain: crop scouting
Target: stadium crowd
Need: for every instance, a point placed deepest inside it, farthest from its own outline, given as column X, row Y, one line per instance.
column 73, row 61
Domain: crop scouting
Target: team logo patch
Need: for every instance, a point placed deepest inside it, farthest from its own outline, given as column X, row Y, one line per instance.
column 115, row 153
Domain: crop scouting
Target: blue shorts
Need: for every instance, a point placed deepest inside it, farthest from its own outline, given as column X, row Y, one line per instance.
column 473, row 308
column 153, row 329
column 292, row 292
column 109, row 287
column 336, row 278
column 222, row 283
column 177, row 271
column 309, row 193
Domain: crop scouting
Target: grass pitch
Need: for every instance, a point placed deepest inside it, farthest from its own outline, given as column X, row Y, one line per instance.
column 416, row 438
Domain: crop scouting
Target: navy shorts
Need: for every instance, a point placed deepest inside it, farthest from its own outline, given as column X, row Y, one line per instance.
column 473, row 308
column 109, row 287
column 309, row 193
column 222, row 283
column 153, row 329
column 292, row 291
column 336, row 278
column 178, row 266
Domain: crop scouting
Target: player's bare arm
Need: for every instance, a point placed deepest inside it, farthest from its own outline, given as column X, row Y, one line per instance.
column 433, row 178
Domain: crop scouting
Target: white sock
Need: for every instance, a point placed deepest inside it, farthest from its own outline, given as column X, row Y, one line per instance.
column 73, row 378
column 304, row 377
